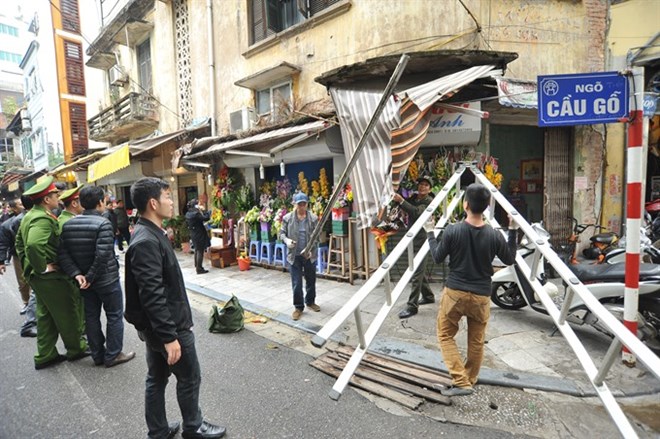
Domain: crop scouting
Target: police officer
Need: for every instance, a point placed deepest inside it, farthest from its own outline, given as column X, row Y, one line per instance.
column 72, row 207
column 57, row 296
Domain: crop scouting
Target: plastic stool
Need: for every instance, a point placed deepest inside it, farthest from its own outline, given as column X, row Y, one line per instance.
column 266, row 251
column 322, row 259
column 280, row 254
column 255, row 250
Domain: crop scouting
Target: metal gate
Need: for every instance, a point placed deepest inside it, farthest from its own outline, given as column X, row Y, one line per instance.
column 558, row 185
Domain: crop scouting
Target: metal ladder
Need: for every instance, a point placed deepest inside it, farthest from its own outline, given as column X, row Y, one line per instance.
column 596, row 375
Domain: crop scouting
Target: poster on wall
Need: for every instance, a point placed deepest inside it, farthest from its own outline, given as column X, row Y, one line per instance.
column 531, row 176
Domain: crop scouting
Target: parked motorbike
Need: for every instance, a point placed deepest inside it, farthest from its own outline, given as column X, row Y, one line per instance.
column 511, row 290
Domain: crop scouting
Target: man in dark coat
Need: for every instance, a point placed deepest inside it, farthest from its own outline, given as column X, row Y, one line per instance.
column 414, row 206
column 157, row 305
column 123, row 233
column 87, row 254
column 195, row 219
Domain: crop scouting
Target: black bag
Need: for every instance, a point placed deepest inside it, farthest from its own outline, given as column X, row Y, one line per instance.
column 228, row 319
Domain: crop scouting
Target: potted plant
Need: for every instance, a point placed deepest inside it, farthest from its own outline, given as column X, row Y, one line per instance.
column 184, row 236
column 243, row 262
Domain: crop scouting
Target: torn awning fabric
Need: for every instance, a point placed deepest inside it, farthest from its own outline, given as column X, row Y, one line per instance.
column 396, row 138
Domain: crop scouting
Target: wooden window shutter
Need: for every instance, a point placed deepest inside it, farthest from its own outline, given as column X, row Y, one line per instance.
column 73, row 60
column 78, row 121
column 70, row 16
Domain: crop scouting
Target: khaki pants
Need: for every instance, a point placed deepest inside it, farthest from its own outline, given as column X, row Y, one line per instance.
column 455, row 304
column 23, row 286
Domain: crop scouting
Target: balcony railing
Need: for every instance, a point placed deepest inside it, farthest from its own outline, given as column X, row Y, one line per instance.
column 132, row 116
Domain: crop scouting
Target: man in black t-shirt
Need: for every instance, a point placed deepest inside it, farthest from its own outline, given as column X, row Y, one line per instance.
column 471, row 246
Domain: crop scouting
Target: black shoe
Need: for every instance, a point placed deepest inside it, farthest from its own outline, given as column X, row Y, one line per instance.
column 408, row 312
column 425, row 301
column 202, row 271
column 23, row 310
column 53, row 362
column 30, row 332
column 83, row 354
column 174, row 429
column 205, row 431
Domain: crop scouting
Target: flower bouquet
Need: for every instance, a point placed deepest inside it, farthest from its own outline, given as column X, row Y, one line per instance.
column 278, row 222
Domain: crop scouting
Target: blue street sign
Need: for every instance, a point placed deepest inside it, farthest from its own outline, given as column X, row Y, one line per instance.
column 582, row 99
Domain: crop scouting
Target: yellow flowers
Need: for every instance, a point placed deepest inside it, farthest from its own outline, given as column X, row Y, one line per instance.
column 413, row 171
column 303, row 184
column 323, row 181
column 492, row 176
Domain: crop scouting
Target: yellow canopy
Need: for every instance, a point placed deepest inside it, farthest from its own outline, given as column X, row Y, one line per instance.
column 109, row 164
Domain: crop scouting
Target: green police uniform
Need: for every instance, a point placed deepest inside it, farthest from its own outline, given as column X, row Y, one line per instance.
column 65, row 216
column 415, row 206
column 57, row 295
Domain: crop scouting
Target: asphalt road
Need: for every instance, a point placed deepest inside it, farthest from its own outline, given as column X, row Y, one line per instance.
column 253, row 386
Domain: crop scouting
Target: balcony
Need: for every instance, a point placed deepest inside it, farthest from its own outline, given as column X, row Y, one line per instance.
column 134, row 116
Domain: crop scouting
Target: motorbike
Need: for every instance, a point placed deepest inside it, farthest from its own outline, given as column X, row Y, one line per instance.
column 511, row 290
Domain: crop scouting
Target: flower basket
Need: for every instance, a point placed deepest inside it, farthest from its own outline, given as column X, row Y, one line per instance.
column 339, row 228
column 243, row 264
column 341, row 214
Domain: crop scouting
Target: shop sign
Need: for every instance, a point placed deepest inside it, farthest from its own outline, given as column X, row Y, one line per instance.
column 449, row 127
column 582, row 99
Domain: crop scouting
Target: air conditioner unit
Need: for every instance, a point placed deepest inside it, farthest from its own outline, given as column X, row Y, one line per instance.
column 117, row 75
column 242, row 120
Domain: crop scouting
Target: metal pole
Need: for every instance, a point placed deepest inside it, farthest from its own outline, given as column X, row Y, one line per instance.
column 394, row 80
column 636, row 141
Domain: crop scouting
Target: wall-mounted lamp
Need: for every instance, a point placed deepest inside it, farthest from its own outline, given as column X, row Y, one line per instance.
column 282, row 169
column 262, row 171
column 172, row 179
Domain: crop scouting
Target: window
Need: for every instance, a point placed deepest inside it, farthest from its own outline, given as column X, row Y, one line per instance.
column 75, row 77
column 70, row 17
column 78, row 128
column 268, row 17
column 11, row 57
column 9, row 30
column 275, row 100
column 144, row 65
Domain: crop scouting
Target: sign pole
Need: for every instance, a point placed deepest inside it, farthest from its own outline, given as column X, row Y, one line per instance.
column 637, row 139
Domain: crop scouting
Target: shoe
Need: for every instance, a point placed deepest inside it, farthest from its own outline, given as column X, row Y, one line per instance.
column 202, row 271
column 83, row 354
column 457, row 391
column 121, row 358
column 425, row 301
column 173, row 429
column 296, row 314
column 205, row 431
column 314, row 307
column 99, row 362
column 23, row 310
column 30, row 332
column 407, row 312
column 58, row 359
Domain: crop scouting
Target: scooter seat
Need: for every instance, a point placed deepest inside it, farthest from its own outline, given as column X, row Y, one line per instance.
column 612, row 272
column 608, row 238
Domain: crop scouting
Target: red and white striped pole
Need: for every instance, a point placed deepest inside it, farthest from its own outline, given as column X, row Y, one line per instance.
column 636, row 171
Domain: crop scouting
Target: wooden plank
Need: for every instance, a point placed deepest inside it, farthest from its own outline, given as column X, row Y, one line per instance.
column 410, row 402
column 412, row 379
column 392, row 382
column 422, row 372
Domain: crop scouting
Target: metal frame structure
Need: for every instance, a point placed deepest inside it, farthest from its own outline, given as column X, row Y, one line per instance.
column 622, row 336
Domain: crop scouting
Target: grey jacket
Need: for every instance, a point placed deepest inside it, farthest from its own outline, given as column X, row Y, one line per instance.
column 290, row 230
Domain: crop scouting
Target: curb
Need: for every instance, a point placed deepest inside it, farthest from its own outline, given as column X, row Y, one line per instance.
column 416, row 354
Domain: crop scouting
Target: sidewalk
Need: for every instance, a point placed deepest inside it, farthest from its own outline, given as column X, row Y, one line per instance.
column 520, row 351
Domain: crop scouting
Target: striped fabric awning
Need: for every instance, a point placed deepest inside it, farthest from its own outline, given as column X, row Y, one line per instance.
column 396, row 138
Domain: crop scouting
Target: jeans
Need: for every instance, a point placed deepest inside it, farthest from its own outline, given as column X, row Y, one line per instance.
column 124, row 234
column 188, row 379
column 303, row 266
column 30, row 315
column 455, row 304
column 110, row 297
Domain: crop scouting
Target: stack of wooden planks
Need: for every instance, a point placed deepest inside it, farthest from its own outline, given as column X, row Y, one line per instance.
column 405, row 383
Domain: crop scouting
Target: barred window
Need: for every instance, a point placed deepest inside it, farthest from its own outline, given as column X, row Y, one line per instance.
column 77, row 113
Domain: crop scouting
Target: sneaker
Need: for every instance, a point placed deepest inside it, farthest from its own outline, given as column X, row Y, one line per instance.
column 314, row 307
column 457, row 391
column 296, row 314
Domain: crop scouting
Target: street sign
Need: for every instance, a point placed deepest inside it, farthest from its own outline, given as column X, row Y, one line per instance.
column 582, row 99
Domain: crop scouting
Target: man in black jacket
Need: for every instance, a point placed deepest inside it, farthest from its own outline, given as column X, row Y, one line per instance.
column 195, row 219
column 158, row 307
column 8, row 231
column 87, row 254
